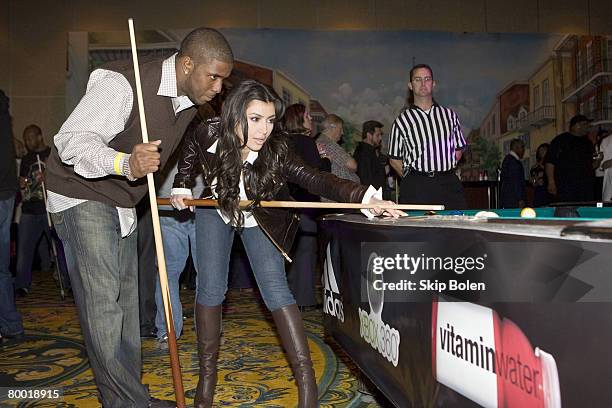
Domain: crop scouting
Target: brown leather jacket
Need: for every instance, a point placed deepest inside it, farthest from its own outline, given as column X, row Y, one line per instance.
column 280, row 225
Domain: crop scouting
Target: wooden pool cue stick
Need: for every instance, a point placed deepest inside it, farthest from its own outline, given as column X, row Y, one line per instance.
column 177, row 378
column 309, row 204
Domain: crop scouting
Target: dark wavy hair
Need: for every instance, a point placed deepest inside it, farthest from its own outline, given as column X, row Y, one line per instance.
column 293, row 119
column 267, row 169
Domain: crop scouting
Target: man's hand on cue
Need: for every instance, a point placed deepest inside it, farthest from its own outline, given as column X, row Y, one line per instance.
column 145, row 159
column 389, row 212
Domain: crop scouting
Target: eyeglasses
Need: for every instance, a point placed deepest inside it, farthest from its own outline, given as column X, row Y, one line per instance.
column 425, row 79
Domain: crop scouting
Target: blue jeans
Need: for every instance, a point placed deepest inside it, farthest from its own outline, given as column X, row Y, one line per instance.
column 179, row 235
column 32, row 229
column 10, row 319
column 215, row 239
column 103, row 269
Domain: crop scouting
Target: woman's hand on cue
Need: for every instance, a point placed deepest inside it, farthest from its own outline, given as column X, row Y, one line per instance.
column 388, row 212
column 176, row 200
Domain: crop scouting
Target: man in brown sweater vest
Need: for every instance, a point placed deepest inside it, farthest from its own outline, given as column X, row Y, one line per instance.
column 96, row 175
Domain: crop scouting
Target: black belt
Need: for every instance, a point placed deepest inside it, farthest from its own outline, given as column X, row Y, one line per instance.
column 432, row 173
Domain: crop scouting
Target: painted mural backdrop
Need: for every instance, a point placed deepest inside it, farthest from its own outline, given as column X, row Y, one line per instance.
column 363, row 75
column 502, row 86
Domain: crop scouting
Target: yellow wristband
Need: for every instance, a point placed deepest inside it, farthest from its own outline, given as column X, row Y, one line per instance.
column 118, row 164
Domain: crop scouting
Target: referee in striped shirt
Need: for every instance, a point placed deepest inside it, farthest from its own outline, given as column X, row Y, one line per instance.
column 425, row 145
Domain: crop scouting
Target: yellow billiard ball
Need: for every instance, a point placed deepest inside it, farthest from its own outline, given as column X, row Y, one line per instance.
column 528, row 212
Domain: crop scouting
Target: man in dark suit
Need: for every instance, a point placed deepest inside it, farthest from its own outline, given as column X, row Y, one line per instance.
column 512, row 179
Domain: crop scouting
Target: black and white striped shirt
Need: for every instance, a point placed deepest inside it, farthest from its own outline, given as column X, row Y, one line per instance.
column 426, row 140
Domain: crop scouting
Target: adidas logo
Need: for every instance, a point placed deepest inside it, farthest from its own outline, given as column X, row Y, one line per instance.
column 332, row 301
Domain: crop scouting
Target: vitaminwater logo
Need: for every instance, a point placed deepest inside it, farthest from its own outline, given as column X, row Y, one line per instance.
column 490, row 360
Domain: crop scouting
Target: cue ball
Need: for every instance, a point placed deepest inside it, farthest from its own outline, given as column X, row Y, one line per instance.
column 528, row 212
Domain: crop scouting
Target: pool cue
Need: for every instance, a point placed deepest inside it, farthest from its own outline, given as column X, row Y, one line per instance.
column 161, row 259
column 309, row 204
column 50, row 224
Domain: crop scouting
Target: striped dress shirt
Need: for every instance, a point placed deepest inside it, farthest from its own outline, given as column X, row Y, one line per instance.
column 426, row 140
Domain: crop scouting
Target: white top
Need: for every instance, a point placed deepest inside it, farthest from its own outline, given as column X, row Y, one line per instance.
column 599, row 172
column 606, row 148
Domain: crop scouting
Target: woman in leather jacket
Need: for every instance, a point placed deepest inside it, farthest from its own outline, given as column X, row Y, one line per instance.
column 241, row 158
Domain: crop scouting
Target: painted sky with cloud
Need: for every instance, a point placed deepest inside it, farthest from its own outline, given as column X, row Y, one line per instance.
column 362, row 75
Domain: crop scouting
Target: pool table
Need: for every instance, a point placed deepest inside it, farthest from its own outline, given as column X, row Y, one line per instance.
column 452, row 310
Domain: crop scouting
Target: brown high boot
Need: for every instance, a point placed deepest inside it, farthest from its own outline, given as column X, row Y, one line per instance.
column 291, row 332
column 208, row 332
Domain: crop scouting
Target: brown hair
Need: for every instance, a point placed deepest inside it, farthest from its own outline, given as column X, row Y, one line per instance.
column 293, row 120
column 419, row 66
column 370, row 127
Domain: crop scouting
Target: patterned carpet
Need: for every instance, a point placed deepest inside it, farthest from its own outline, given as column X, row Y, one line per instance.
column 253, row 371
